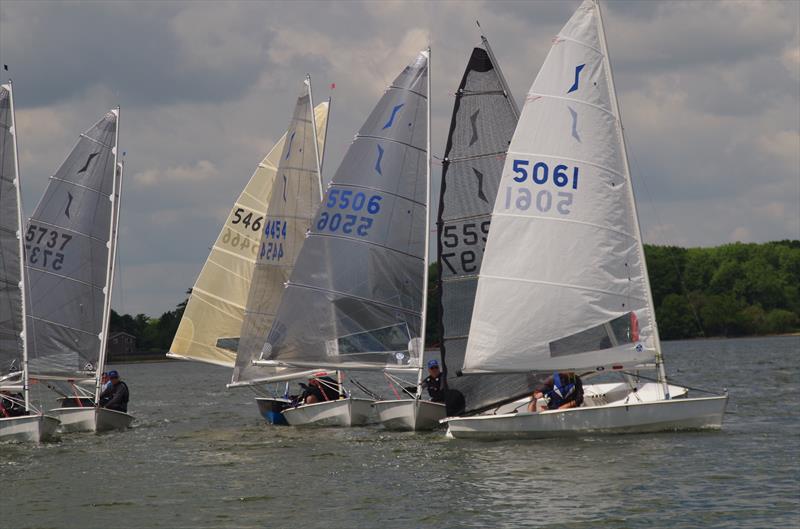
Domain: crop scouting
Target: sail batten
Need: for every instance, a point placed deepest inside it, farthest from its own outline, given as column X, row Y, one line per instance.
column 577, row 292
column 211, row 324
column 357, row 288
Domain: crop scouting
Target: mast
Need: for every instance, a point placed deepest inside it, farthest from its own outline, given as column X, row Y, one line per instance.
column 316, row 142
column 22, row 283
column 112, row 244
column 662, row 376
column 427, row 230
column 506, row 89
column 324, row 141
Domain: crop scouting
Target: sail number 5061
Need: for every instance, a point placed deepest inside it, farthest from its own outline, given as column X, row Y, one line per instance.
column 540, row 173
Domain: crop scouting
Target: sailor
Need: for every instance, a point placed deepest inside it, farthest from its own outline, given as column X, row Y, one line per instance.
column 561, row 390
column 116, row 396
column 11, row 405
column 435, row 382
column 319, row 389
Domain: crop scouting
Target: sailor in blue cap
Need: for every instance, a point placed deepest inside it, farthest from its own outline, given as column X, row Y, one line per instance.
column 116, row 396
column 435, row 382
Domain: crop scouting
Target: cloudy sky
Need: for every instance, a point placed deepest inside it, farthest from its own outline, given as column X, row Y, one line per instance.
column 710, row 97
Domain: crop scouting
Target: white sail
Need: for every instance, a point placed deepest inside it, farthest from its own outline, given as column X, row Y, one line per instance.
column 68, row 241
column 563, row 283
column 282, row 235
column 210, row 327
column 12, row 293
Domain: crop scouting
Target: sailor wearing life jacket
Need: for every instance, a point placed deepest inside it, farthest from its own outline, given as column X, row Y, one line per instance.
column 561, row 390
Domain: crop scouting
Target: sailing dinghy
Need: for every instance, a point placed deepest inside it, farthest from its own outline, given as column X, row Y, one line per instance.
column 212, row 322
column 355, row 298
column 563, row 285
column 70, row 244
column 293, row 201
column 19, row 420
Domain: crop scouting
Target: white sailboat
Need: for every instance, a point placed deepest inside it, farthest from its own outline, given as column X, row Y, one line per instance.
column 212, row 322
column 71, row 243
column 19, row 419
column 356, row 297
column 563, row 285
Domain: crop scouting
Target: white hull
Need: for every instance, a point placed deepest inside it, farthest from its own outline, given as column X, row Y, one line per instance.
column 410, row 414
column 28, row 428
column 342, row 412
column 638, row 413
column 91, row 419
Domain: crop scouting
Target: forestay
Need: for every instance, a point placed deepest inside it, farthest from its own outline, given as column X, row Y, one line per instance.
column 210, row 326
column 355, row 296
column 67, row 241
column 563, row 283
column 11, row 345
column 483, row 122
column 294, row 200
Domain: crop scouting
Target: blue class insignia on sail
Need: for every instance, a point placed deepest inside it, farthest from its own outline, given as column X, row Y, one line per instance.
column 574, row 124
column 578, row 70
column 395, row 110
column 378, row 161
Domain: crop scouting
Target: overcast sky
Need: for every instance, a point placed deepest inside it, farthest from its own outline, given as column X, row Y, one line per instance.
column 709, row 93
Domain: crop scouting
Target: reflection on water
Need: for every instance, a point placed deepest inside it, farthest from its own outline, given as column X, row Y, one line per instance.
column 199, row 456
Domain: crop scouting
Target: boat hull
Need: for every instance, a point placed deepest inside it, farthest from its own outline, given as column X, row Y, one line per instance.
column 342, row 412
column 91, row 419
column 28, row 428
column 704, row 413
column 271, row 408
column 410, row 414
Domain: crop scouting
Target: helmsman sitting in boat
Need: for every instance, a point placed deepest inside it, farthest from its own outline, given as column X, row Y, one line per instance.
column 319, row 389
column 435, row 382
column 561, row 391
column 12, row 405
column 115, row 397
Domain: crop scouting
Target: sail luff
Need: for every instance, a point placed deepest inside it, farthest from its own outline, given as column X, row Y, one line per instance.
column 643, row 264
column 511, row 101
column 112, row 243
column 426, row 255
column 316, row 137
column 21, row 246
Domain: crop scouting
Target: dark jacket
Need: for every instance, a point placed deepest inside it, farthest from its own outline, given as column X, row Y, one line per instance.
column 115, row 397
column 437, row 387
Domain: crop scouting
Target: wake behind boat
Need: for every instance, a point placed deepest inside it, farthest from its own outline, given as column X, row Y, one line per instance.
column 563, row 285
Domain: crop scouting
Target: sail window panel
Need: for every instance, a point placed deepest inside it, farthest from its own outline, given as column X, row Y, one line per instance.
column 457, row 302
column 384, row 166
column 312, row 321
column 400, row 116
column 382, row 275
column 471, row 186
column 506, row 340
column 603, row 336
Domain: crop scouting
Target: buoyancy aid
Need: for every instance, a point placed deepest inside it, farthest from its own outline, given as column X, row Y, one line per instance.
column 561, row 392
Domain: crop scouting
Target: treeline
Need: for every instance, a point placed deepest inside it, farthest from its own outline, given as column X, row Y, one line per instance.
column 731, row 290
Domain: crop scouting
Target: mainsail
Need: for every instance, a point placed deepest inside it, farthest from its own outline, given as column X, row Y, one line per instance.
column 11, row 292
column 483, row 122
column 294, row 200
column 563, row 283
column 210, row 327
column 355, row 296
column 67, row 244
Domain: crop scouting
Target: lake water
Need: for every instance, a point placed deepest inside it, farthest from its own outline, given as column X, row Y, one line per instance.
column 200, row 456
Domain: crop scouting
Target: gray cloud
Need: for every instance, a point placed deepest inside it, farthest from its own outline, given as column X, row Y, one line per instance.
column 709, row 97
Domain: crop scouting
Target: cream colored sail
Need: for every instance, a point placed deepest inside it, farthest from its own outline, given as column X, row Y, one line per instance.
column 209, row 329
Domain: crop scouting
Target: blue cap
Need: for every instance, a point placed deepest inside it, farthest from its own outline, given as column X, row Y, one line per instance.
column 113, row 374
column 433, row 363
